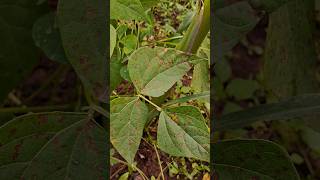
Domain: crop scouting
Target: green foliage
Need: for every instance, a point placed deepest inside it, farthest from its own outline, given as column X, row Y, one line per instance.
column 53, row 145
column 154, row 71
column 86, row 53
column 182, row 130
column 127, row 10
column 46, row 36
column 247, row 159
column 295, row 107
column 289, row 70
column 127, row 121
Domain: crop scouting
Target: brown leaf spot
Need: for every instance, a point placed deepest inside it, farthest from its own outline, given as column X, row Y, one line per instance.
column 91, row 13
column 42, row 119
column 16, row 151
column 13, row 131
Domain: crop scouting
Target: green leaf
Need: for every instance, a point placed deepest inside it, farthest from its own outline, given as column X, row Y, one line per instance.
column 84, row 36
column 127, row 10
column 242, row 88
column 202, row 95
column 201, row 77
column 18, row 54
column 268, row 5
column 231, row 24
column 187, row 19
column 53, row 146
column 130, row 43
column 234, row 172
column 113, row 39
column 154, row 71
column 124, row 73
column 311, row 138
column 148, row 3
column 262, row 5
column 46, row 36
column 115, row 77
column 295, row 107
column 252, row 159
column 234, row 19
column 127, row 121
column 182, row 131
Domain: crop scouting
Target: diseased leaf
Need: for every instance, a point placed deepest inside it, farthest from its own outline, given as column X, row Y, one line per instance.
column 154, row 71
column 53, row 146
column 252, row 159
column 127, row 121
column 46, row 36
column 113, row 39
column 295, row 107
column 127, row 10
column 18, row 54
column 182, row 131
column 83, row 28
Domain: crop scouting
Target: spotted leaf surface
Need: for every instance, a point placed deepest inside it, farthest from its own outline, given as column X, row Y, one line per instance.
column 127, row 121
column 84, row 32
column 53, row 146
column 182, row 131
column 154, row 71
column 252, row 159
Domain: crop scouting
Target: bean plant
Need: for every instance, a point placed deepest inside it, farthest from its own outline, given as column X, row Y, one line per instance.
column 56, row 141
column 288, row 76
column 154, row 70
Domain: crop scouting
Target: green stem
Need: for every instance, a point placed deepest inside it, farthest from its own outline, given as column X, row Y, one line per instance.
column 170, row 39
column 36, row 109
column 159, row 161
column 100, row 110
column 153, row 104
column 198, row 28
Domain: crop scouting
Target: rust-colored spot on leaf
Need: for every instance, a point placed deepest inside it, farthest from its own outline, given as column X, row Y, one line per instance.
column 255, row 178
column 84, row 60
column 60, row 120
column 42, row 119
column 91, row 13
column 13, row 131
column 16, row 151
